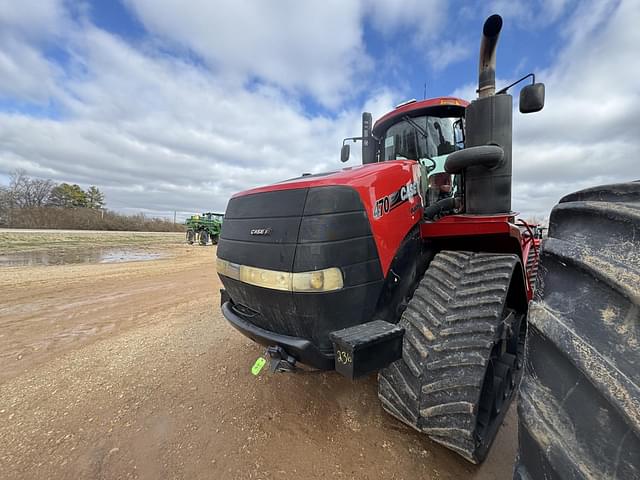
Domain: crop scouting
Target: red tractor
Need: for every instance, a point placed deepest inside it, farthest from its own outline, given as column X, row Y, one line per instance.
column 412, row 264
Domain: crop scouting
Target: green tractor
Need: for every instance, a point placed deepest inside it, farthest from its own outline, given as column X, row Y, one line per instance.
column 203, row 227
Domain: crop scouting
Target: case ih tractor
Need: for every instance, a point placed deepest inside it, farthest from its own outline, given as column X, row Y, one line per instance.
column 412, row 264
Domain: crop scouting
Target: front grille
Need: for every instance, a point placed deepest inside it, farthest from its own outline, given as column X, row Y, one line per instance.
column 309, row 229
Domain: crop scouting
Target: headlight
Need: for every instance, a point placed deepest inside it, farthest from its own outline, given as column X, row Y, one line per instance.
column 325, row 280
column 318, row 281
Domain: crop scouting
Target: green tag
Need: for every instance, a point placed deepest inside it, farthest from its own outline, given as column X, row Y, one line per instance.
column 260, row 362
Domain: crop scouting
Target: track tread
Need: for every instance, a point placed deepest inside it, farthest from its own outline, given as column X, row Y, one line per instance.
column 446, row 384
column 447, row 409
column 399, row 405
column 451, row 324
column 462, row 344
column 442, row 271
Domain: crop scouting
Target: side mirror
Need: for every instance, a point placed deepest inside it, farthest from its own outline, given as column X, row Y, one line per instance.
column 532, row 98
column 345, row 152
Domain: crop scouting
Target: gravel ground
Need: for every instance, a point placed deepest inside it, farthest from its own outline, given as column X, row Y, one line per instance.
column 129, row 371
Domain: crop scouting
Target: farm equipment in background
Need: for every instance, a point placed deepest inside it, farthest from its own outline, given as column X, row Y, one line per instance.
column 412, row 264
column 204, row 227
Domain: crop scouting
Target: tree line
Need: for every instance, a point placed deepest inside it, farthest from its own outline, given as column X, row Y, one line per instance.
column 26, row 192
column 29, row 202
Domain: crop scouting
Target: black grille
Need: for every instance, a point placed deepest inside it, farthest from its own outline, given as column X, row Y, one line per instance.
column 308, row 229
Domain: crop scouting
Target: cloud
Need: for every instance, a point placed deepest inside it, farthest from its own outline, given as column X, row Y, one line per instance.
column 413, row 18
column 529, row 14
column 161, row 133
column 35, row 19
column 423, row 24
column 447, row 53
column 304, row 47
column 25, row 75
column 25, row 72
column 587, row 133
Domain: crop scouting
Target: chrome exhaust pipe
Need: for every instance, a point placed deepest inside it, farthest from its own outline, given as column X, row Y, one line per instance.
column 487, row 67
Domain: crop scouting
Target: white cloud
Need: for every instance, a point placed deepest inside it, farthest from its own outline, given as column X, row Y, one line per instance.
column 25, row 73
column 587, row 133
column 156, row 132
column 447, row 53
column 36, row 19
column 529, row 14
column 423, row 23
column 308, row 47
column 414, row 18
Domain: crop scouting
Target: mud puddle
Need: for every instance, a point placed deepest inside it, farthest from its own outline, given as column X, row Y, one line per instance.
column 64, row 257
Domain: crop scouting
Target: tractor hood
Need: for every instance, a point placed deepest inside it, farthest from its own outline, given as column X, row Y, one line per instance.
column 380, row 187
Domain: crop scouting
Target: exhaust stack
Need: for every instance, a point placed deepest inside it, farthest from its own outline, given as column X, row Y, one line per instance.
column 487, row 185
column 487, row 67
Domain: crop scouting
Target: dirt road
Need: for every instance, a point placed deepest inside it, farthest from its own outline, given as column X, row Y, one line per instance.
column 129, row 371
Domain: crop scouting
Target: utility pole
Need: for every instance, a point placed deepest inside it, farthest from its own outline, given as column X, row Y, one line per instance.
column 174, row 217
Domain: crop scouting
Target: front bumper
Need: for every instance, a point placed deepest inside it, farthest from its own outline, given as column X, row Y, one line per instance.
column 301, row 349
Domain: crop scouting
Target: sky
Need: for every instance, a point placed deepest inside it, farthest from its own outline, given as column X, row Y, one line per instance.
column 169, row 105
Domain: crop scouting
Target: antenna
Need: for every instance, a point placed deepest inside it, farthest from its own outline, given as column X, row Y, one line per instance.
column 424, row 97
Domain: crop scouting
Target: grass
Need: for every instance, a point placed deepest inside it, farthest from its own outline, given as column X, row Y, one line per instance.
column 15, row 241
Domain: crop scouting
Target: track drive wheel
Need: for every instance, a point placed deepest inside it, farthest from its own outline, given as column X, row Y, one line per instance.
column 462, row 349
column 204, row 237
column 214, row 239
column 191, row 236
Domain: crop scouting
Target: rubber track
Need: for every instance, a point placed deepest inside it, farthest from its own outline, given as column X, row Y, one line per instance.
column 451, row 324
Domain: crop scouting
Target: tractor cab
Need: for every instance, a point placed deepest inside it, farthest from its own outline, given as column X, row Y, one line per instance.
column 426, row 131
column 217, row 217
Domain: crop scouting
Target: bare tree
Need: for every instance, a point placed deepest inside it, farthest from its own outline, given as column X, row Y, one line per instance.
column 39, row 191
column 15, row 192
column 26, row 192
column 5, row 205
column 4, row 197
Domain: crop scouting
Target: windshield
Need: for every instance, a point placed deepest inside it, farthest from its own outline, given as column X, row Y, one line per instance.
column 429, row 140
column 419, row 138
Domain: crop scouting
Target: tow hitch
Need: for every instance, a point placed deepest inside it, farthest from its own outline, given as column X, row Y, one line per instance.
column 281, row 361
